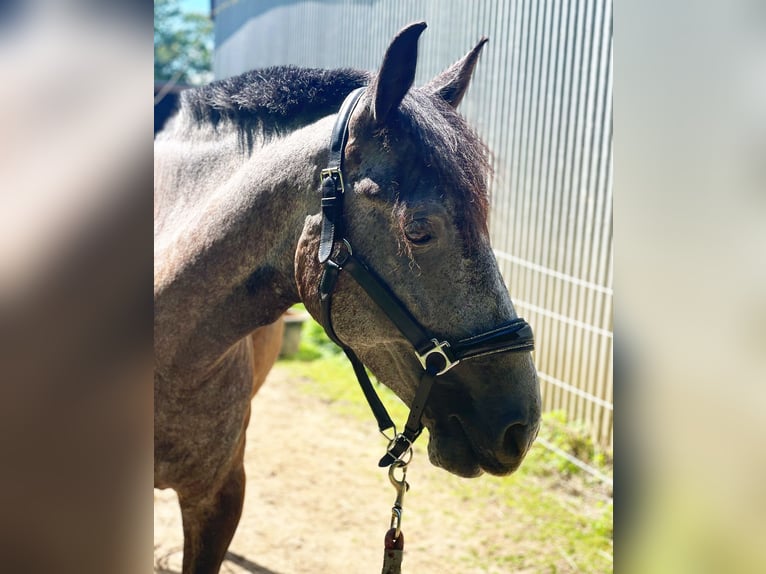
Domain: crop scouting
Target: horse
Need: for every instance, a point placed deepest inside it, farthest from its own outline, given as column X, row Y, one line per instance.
column 240, row 219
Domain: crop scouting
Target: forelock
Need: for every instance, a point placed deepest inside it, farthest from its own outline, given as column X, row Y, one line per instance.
column 456, row 155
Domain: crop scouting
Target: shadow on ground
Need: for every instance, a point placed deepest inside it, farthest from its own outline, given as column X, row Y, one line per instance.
column 161, row 564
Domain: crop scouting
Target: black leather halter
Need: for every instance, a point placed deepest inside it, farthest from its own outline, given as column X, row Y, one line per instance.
column 437, row 357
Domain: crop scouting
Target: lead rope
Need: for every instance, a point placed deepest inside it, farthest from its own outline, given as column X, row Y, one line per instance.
column 393, row 544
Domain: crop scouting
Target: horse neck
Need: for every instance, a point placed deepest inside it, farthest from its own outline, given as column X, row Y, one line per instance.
column 224, row 264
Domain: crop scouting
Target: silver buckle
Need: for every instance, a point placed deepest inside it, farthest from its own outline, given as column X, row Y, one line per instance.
column 331, row 172
column 438, row 348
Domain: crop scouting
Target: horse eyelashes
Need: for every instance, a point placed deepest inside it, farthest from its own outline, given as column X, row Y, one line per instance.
column 418, row 231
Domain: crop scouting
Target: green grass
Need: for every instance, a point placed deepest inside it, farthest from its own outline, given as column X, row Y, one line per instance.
column 568, row 526
column 567, row 515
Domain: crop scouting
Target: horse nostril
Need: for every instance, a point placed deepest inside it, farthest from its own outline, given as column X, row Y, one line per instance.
column 516, row 439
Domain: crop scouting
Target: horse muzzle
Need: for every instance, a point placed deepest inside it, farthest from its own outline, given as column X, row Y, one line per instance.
column 461, row 450
column 474, row 429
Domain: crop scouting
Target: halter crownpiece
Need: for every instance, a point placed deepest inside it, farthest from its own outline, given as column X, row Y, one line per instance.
column 435, row 356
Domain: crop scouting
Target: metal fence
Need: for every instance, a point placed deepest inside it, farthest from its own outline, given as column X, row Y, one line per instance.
column 542, row 99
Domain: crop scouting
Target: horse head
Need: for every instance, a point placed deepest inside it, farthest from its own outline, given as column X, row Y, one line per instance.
column 415, row 210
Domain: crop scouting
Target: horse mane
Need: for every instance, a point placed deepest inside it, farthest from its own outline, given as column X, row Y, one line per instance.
column 279, row 96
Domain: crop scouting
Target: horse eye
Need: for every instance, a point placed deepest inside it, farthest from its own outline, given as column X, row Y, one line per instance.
column 418, row 231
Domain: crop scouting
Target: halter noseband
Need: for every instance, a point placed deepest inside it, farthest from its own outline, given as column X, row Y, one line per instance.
column 436, row 357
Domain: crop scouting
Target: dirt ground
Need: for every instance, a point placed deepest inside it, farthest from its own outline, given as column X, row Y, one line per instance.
column 317, row 502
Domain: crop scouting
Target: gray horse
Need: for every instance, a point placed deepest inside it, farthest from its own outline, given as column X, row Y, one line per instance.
column 237, row 231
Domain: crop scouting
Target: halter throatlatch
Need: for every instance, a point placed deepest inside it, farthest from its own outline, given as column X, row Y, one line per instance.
column 436, row 356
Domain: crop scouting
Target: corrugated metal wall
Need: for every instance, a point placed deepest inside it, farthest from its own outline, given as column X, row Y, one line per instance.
column 542, row 99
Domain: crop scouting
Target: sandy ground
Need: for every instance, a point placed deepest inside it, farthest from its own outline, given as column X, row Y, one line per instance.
column 317, row 502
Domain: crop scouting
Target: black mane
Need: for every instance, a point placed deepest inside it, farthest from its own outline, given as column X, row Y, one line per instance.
column 276, row 96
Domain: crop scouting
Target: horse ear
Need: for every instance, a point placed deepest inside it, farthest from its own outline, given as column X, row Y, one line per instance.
column 452, row 83
column 397, row 72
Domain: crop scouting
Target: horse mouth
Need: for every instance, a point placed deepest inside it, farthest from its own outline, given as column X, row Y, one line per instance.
column 452, row 448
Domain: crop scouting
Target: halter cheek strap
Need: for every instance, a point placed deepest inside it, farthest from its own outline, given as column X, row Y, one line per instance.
column 332, row 178
column 435, row 356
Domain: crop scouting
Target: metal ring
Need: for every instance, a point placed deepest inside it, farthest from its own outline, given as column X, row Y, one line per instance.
column 392, row 442
column 343, row 255
column 398, row 463
column 401, row 460
column 389, row 439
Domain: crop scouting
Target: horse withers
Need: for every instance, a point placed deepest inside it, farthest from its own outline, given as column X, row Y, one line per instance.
column 238, row 228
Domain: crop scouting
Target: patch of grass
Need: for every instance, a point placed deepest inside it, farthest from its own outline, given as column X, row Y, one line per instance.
column 331, row 377
column 572, row 437
column 314, row 342
column 566, row 527
column 322, row 362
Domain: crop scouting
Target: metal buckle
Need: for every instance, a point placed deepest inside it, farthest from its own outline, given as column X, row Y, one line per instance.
column 438, row 348
column 336, row 174
column 343, row 255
